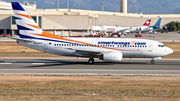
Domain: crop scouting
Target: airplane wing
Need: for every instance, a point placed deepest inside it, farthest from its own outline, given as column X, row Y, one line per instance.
column 147, row 28
column 125, row 30
column 86, row 52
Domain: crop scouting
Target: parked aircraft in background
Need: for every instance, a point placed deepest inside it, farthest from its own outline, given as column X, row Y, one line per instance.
column 109, row 29
column 140, row 29
column 106, row 49
column 123, row 30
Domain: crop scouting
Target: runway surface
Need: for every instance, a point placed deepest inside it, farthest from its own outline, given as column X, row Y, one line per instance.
column 80, row 66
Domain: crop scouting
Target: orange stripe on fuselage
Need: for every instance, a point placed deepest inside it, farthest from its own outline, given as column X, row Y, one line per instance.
column 24, row 15
column 33, row 26
column 48, row 35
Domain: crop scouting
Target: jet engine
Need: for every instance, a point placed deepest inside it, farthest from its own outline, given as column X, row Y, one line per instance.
column 114, row 56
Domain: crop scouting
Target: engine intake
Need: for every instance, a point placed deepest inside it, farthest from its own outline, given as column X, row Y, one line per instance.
column 114, row 56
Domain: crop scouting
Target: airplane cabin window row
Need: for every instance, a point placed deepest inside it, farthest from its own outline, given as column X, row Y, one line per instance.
column 143, row 46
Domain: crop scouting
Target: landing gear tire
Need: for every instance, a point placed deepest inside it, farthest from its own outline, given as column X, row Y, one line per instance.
column 152, row 61
column 91, row 61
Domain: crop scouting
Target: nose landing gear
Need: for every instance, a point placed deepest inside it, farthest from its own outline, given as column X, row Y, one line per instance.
column 157, row 58
column 152, row 61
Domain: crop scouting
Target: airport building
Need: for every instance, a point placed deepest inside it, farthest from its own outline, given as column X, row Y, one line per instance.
column 72, row 22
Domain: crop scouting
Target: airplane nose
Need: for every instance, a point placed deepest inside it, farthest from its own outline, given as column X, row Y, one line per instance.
column 170, row 51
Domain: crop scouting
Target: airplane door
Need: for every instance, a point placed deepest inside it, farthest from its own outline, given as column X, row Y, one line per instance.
column 45, row 46
column 150, row 47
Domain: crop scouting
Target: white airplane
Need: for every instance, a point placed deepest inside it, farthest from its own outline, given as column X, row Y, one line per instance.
column 123, row 30
column 113, row 29
column 107, row 49
column 140, row 29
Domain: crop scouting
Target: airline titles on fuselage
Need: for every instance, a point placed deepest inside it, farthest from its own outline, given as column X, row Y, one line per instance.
column 122, row 43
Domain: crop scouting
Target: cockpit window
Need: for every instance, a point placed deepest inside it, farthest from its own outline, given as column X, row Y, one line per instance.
column 161, row 46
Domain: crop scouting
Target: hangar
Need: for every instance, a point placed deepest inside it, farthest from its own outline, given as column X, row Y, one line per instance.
column 73, row 22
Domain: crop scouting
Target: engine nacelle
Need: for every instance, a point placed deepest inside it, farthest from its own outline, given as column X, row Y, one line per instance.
column 112, row 56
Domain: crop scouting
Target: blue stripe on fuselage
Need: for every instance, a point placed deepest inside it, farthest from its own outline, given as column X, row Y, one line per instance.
column 25, row 36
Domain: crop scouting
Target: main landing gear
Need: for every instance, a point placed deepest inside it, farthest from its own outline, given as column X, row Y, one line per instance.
column 152, row 61
column 91, row 61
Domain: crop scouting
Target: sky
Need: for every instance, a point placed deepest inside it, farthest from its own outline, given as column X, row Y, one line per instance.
column 134, row 6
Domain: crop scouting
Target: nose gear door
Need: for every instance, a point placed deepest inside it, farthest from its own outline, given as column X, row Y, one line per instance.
column 150, row 47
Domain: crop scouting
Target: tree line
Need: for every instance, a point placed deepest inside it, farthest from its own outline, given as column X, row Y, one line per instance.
column 173, row 26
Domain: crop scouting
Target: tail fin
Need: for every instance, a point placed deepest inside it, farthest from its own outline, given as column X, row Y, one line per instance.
column 147, row 23
column 158, row 23
column 25, row 24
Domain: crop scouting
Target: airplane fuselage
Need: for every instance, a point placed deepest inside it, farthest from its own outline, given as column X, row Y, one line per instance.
column 137, row 29
column 130, row 48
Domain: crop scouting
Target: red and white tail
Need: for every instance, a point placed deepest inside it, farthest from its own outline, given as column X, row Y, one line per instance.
column 147, row 23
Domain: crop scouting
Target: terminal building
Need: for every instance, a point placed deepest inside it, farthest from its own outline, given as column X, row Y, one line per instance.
column 73, row 22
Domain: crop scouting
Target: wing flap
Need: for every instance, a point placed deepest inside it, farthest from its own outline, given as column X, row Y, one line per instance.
column 87, row 52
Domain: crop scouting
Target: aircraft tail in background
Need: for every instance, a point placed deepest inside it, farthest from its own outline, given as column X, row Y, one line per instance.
column 157, row 25
column 147, row 23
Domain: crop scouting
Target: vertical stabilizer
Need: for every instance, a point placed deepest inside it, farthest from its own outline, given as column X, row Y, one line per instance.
column 25, row 24
column 158, row 23
column 147, row 23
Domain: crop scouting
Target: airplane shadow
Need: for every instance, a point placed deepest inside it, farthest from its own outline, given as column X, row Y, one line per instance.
column 53, row 63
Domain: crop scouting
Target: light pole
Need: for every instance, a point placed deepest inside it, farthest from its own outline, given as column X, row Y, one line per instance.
column 102, row 6
column 67, row 4
column 57, row 4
